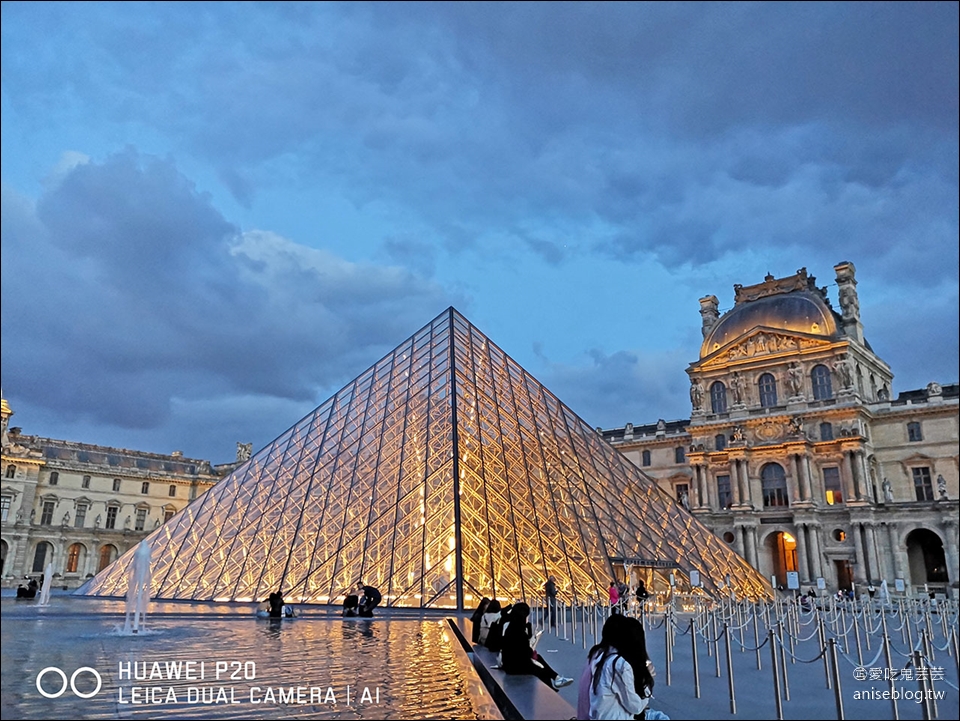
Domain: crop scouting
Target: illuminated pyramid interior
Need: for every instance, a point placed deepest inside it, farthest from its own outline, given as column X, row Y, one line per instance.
column 442, row 474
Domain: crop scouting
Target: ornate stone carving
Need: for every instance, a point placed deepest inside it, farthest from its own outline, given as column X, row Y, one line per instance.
column 769, row 431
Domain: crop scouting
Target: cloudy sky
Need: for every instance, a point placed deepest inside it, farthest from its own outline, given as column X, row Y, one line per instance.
column 214, row 216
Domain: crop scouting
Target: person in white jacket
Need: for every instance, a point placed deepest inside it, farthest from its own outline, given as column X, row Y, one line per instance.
column 617, row 679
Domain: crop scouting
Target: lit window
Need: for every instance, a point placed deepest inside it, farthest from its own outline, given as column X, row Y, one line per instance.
column 773, row 482
column 832, row 489
column 822, row 385
column 679, row 455
column 826, row 431
column 922, row 484
column 718, row 397
column 54, row 478
column 73, row 558
column 645, row 458
column 914, row 432
column 768, row 390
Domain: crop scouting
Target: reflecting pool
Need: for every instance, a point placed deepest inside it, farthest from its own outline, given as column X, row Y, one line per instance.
column 194, row 661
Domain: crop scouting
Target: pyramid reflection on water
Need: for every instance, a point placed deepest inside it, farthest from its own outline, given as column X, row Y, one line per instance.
column 368, row 486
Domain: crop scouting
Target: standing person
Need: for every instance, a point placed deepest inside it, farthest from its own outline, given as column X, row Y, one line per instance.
column 616, row 681
column 550, row 591
column 614, row 596
column 276, row 604
column 371, row 599
column 519, row 657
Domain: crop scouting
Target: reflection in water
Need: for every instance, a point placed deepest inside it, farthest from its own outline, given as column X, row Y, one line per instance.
column 230, row 667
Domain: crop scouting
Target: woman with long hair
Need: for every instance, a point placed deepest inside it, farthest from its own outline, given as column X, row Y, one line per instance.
column 518, row 656
column 616, row 681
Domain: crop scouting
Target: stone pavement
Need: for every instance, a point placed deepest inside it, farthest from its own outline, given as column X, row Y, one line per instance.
column 809, row 695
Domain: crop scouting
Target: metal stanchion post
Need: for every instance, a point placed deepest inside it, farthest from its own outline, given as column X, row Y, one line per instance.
column 903, row 622
column 856, row 631
column 783, row 664
column 772, row 640
column 668, row 652
column 866, row 623
column 733, row 694
column 921, row 684
column 740, row 624
column 888, row 656
column 716, row 646
column 756, row 636
column 821, row 634
column 956, row 649
column 835, row 672
column 696, row 660
column 926, row 644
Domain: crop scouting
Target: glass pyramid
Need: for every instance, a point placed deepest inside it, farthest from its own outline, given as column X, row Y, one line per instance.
column 442, row 474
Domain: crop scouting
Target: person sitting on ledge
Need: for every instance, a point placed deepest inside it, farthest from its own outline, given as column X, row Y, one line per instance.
column 477, row 617
column 351, row 605
column 519, row 657
column 371, row 599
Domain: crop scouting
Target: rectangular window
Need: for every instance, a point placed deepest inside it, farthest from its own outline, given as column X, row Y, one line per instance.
column 832, row 489
column 172, row 492
column 914, row 432
column 141, row 519
column 145, row 487
column 167, row 515
column 5, row 503
column 724, row 496
column 679, row 455
column 85, row 483
column 681, row 490
column 922, row 484
column 81, row 515
column 54, row 478
column 111, row 517
column 46, row 517
column 116, row 484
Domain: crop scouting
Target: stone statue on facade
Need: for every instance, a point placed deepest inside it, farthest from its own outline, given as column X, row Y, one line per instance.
column 934, row 389
column 887, row 490
column 244, row 450
column 126, row 523
column 942, row 489
column 737, row 436
column 685, row 500
column 696, row 394
column 739, row 386
column 96, row 522
column 844, row 372
column 796, row 426
column 19, row 518
column 795, row 379
column 66, row 519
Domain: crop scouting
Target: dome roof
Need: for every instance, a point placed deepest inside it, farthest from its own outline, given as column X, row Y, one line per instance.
column 801, row 311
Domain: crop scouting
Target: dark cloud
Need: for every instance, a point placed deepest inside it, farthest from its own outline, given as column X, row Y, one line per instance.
column 144, row 294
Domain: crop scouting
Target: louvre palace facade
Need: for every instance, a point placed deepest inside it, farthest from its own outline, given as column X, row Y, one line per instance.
column 797, row 452
column 80, row 506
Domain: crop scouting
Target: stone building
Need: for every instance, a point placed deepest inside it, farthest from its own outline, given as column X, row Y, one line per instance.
column 79, row 506
column 798, row 454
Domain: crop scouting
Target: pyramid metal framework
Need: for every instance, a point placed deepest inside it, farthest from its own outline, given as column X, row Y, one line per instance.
column 442, row 474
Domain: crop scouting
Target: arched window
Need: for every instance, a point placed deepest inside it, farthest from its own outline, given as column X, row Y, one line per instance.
column 718, row 397
column 679, row 455
column 822, row 385
column 11, row 471
column 54, row 478
column 645, row 458
column 773, row 481
column 108, row 554
column 826, row 431
column 720, row 441
column 42, row 555
column 74, row 554
column 768, row 390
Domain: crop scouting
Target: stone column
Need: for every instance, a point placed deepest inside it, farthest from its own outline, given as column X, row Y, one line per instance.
column 736, row 482
column 793, row 481
column 860, row 461
column 950, row 548
column 804, row 465
column 860, row 572
column 740, row 544
column 709, row 492
column 752, row 546
column 876, row 573
column 894, row 550
column 849, row 483
column 699, row 472
column 803, row 565
column 815, row 554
